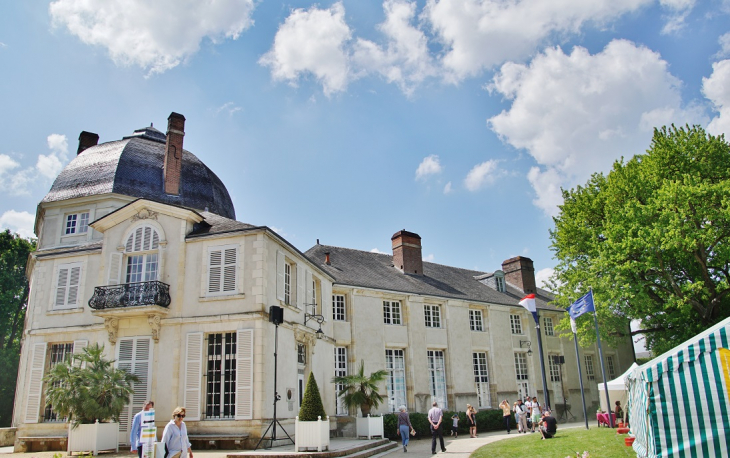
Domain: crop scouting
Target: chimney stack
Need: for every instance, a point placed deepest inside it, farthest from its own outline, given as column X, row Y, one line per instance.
column 173, row 153
column 87, row 140
column 519, row 272
column 327, row 257
column 407, row 255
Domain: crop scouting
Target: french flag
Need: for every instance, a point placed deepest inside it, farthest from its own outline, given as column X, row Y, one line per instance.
column 528, row 302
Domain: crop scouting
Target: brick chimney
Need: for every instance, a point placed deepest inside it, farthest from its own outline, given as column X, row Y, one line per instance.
column 519, row 272
column 173, row 152
column 87, row 140
column 407, row 252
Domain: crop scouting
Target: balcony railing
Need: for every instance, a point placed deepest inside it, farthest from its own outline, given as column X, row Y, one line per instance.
column 130, row 295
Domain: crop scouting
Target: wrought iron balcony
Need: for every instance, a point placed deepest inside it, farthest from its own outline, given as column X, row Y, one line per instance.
column 130, row 295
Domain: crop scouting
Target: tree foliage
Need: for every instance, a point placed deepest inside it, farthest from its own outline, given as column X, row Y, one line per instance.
column 360, row 390
column 89, row 387
column 312, row 406
column 14, row 251
column 652, row 240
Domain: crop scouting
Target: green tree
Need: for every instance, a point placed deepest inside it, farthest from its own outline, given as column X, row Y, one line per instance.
column 89, row 387
column 14, row 251
column 652, row 240
column 360, row 390
column 312, row 406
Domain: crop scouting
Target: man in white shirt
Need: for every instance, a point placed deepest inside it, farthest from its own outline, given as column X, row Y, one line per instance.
column 436, row 417
column 135, row 435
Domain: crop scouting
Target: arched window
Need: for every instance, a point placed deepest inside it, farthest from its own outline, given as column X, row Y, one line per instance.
column 141, row 252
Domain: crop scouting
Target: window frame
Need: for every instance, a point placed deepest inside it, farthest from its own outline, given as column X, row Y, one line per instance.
column 392, row 313
column 548, row 327
column 480, row 363
column 48, row 415
column 500, row 283
column 226, row 267
column 432, row 315
column 590, row 370
column 227, row 355
column 341, row 370
column 395, row 382
column 476, row 320
column 80, row 220
column 554, row 368
column 611, row 367
column 522, row 372
column 437, row 384
column 339, row 307
column 515, row 322
column 69, row 266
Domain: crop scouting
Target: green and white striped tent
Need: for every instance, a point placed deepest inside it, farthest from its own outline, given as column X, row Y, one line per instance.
column 678, row 402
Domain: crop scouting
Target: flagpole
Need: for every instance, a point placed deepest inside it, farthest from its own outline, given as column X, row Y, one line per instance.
column 603, row 369
column 580, row 372
column 542, row 361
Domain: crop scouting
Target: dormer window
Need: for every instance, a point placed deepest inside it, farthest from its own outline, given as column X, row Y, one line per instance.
column 499, row 281
column 77, row 223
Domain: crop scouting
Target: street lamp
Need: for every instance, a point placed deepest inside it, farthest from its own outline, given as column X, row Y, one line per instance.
column 318, row 318
column 528, row 344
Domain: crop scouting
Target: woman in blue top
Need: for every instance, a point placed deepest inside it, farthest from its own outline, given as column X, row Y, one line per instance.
column 175, row 436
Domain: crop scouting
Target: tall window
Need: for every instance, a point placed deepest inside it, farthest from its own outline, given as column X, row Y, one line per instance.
column 67, row 286
column 548, row 326
column 287, row 283
column 221, row 376
column 77, row 223
column 391, row 312
column 340, row 371
column 499, row 281
column 520, row 366
column 301, row 354
column 554, row 363
column 395, row 384
column 515, row 324
column 222, row 262
column 437, row 377
column 476, row 323
column 338, row 307
column 481, row 378
column 58, row 353
column 432, row 313
column 611, row 367
column 590, row 375
column 141, row 249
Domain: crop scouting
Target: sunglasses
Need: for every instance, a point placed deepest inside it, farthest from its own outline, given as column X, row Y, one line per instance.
column 180, row 416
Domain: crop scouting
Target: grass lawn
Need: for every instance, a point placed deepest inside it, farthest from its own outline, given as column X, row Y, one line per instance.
column 598, row 442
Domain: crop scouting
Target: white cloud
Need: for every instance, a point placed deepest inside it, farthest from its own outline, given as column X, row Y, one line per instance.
column 312, row 42
column 481, row 175
column 724, row 42
column 447, row 188
column 577, row 113
column 430, row 165
column 7, row 164
column 19, row 222
column 278, row 230
column 678, row 12
column 47, row 167
column 479, row 34
column 3, row 45
column 406, row 59
column 429, row 258
column 155, row 36
column 542, row 276
column 375, row 250
column 229, row 107
column 717, row 89
column 58, row 144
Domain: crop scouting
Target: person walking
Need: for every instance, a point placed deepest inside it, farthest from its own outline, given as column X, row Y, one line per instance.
column 175, row 436
column 404, row 427
column 135, row 435
column 521, row 416
column 471, row 415
column 435, row 418
column 536, row 413
column 506, row 412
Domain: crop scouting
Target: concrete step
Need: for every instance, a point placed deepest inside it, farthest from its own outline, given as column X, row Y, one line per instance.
column 367, row 449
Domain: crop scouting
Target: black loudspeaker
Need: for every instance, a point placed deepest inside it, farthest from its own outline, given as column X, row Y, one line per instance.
column 562, row 359
column 276, row 314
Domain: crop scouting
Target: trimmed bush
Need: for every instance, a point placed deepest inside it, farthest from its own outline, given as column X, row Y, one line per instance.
column 487, row 420
column 312, row 406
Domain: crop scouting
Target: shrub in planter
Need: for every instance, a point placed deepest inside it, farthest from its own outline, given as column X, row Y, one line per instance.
column 312, row 406
column 360, row 390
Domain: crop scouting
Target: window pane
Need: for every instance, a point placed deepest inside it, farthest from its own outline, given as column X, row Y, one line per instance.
column 396, row 381
column 221, row 376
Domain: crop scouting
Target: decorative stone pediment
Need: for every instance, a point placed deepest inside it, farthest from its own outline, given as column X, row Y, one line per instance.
column 145, row 213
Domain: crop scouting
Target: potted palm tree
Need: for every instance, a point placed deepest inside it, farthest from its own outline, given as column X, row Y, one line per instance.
column 312, row 426
column 359, row 390
column 91, row 393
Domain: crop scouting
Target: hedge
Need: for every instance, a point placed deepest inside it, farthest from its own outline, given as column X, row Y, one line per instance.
column 487, row 420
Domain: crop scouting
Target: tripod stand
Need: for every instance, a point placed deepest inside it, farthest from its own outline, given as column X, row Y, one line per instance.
column 566, row 410
column 276, row 316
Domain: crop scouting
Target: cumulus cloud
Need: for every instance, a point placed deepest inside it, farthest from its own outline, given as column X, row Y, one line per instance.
column 429, row 258
column 717, row 89
column 724, row 42
column 312, row 42
column 678, row 10
column 18, row 222
column 17, row 180
column 447, row 188
column 405, row 60
column 481, row 175
column 430, row 165
column 577, row 113
column 155, row 36
column 542, row 276
column 375, row 250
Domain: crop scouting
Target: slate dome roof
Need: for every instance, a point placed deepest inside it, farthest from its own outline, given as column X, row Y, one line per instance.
column 133, row 167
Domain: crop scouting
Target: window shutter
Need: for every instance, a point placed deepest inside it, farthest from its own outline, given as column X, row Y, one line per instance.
column 73, row 286
column 61, row 287
column 230, row 256
column 215, row 259
column 115, row 268
column 35, row 383
column 244, row 375
column 79, row 346
column 301, row 298
column 193, row 375
column 134, row 355
column 310, row 292
column 280, row 275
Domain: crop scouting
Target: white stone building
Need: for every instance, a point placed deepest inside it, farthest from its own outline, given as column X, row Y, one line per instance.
column 139, row 250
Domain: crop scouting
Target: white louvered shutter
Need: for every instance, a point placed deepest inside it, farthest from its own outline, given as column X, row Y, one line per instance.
column 244, row 374
column 193, row 374
column 310, row 292
column 35, row 383
column 301, row 298
column 115, row 269
column 79, row 346
column 280, row 275
column 230, row 256
column 62, row 287
column 134, row 355
column 74, row 279
column 215, row 270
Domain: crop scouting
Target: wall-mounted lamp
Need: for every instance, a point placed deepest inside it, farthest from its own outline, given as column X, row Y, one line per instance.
column 528, row 344
column 318, row 318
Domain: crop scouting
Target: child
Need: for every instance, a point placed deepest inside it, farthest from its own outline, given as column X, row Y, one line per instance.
column 455, row 425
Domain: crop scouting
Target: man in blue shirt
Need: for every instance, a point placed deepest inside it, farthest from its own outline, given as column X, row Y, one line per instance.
column 135, row 434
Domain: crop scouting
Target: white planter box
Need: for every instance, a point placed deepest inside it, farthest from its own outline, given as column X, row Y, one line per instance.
column 93, row 438
column 312, row 434
column 370, row 427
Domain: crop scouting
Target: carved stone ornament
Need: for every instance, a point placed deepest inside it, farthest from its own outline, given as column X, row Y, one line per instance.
column 154, row 322
column 306, row 338
column 145, row 213
column 112, row 327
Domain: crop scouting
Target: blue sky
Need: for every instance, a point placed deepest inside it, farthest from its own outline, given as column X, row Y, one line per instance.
column 348, row 121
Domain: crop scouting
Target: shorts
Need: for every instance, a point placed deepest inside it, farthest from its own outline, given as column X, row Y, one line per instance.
column 454, row 428
column 545, row 433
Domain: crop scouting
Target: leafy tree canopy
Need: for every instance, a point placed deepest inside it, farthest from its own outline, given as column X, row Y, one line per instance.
column 652, row 240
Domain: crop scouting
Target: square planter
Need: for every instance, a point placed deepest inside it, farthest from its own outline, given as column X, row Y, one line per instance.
column 312, row 435
column 370, row 427
column 93, row 438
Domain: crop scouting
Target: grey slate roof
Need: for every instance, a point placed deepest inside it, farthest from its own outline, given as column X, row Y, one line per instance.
column 216, row 224
column 375, row 270
column 133, row 167
column 89, row 246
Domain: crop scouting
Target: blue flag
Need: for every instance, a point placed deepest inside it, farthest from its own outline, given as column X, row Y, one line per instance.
column 582, row 305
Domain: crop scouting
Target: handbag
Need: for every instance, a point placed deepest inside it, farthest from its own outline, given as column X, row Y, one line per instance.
column 413, row 432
